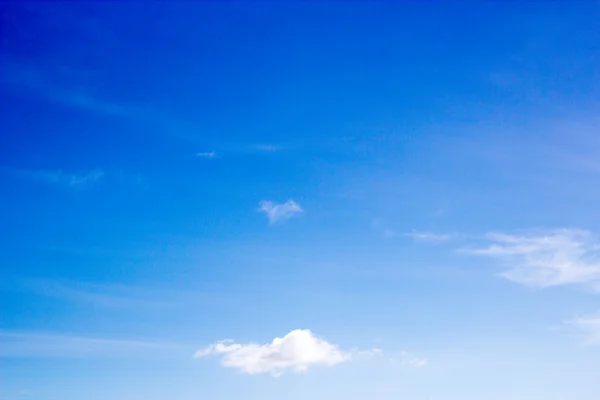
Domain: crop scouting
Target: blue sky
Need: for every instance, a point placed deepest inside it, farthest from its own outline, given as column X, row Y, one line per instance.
column 327, row 201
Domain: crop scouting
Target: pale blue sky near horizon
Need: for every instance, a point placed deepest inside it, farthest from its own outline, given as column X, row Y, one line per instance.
column 404, row 193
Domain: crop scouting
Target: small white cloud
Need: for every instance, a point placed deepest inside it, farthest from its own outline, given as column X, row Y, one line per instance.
column 409, row 360
column 208, row 154
column 279, row 212
column 296, row 352
column 590, row 326
column 551, row 258
column 429, row 236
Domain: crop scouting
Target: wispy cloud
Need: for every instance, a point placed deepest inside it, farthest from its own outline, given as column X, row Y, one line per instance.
column 36, row 82
column 64, row 92
column 590, row 326
column 410, row 360
column 42, row 345
column 429, row 236
column 105, row 295
column 58, row 177
column 207, row 154
column 296, row 352
column 267, row 148
column 551, row 258
column 378, row 225
column 277, row 213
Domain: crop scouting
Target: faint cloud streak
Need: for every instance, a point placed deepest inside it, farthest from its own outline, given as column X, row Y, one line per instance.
column 267, row 148
column 429, row 236
column 41, row 345
column 409, row 360
column 590, row 326
column 58, row 177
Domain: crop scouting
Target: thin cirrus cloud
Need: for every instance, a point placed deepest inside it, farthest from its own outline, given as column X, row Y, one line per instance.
column 296, row 352
column 545, row 259
column 38, row 82
column 590, row 326
column 105, row 295
column 429, row 236
column 58, row 177
column 44, row 345
column 409, row 360
column 379, row 226
column 278, row 213
column 267, row 148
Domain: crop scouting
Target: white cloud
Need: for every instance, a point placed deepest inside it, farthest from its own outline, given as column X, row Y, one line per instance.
column 552, row 258
column 590, row 326
column 429, row 236
column 296, row 351
column 279, row 212
column 207, row 154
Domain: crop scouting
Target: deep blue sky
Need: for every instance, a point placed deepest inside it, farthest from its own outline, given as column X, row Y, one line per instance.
column 420, row 178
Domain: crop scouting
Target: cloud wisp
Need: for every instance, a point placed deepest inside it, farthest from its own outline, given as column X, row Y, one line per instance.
column 106, row 295
column 590, row 326
column 37, row 82
column 409, row 360
column 43, row 83
column 278, row 213
column 59, row 177
column 295, row 352
column 206, row 154
column 42, row 345
column 266, row 148
column 552, row 258
column 379, row 226
column 429, row 236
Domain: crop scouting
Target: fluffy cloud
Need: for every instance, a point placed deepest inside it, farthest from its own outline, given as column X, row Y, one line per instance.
column 279, row 212
column 296, row 351
column 553, row 258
